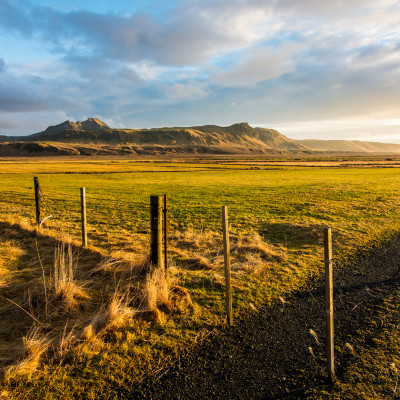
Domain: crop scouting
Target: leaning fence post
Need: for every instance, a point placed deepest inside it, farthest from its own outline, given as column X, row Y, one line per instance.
column 38, row 199
column 156, row 230
column 83, row 214
column 330, row 356
column 165, row 233
column 228, row 287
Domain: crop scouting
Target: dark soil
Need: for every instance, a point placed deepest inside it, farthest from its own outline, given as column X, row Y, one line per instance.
column 271, row 354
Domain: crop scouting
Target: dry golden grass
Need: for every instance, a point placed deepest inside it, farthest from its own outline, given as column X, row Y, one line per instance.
column 193, row 239
column 65, row 300
column 123, row 261
column 35, row 344
column 65, row 288
column 77, row 299
column 41, row 292
column 115, row 314
column 202, row 251
column 156, row 291
column 255, row 244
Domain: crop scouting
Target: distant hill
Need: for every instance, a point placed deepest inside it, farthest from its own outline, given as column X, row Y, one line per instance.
column 93, row 136
column 355, row 146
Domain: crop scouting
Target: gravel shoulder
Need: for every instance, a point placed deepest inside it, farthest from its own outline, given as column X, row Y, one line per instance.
column 278, row 351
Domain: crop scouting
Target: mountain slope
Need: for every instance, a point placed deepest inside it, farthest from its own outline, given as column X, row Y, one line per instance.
column 355, row 146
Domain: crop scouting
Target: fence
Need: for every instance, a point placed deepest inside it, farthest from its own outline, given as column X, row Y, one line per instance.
column 159, row 252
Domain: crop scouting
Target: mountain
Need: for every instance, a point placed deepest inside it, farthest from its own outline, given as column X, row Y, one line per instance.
column 91, row 124
column 355, row 146
column 93, row 137
column 56, row 131
column 96, row 132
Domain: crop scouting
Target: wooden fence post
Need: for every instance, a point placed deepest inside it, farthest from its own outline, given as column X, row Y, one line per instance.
column 83, row 214
column 330, row 356
column 165, row 233
column 228, row 287
column 38, row 199
column 156, row 230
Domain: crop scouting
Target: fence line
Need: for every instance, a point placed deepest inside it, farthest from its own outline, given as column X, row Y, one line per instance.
column 159, row 228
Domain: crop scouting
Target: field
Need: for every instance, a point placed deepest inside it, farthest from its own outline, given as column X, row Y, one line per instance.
column 277, row 211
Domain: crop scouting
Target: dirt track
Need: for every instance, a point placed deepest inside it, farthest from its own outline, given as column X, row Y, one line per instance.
column 272, row 354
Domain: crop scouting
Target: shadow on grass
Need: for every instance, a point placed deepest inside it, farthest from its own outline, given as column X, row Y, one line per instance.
column 291, row 235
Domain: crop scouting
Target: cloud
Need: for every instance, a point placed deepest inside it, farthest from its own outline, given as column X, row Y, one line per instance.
column 13, row 19
column 15, row 97
column 276, row 61
column 30, row 122
column 188, row 36
column 177, row 92
column 364, row 128
column 261, row 65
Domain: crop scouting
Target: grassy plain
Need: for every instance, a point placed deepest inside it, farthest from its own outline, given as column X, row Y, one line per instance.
column 277, row 214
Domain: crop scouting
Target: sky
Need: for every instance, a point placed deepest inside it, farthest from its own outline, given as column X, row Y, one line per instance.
column 310, row 69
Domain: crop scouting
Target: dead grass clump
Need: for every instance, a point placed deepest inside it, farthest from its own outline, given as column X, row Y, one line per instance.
column 204, row 251
column 34, row 346
column 123, row 261
column 255, row 244
column 179, row 252
column 157, row 290
column 70, row 296
column 250, row 262
column 66, row 290
column 219, row 281
column 181, row 299
column 90, row 340
column 67, row 340
column 22, row 222
column 194, row 240
column 161, row 296
column 114, row 317
column 198, row 263
column 11, row 251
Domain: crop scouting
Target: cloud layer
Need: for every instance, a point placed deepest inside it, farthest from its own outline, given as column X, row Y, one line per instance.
column 192, row 62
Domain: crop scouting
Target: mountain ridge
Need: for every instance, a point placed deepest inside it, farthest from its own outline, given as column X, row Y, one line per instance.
column 94, row 131
column 68, row 137
column 91, row 124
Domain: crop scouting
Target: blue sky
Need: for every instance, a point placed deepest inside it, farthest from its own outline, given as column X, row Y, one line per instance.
column 328, row 70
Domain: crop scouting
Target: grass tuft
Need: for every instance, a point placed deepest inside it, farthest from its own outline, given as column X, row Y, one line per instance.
column 156, row 291
column 115, row 314
column 66, row 290
column 255, row 244
column 34, row 347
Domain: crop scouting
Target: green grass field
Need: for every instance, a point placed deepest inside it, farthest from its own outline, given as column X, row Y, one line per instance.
column 349, row 200
column 279, row 214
